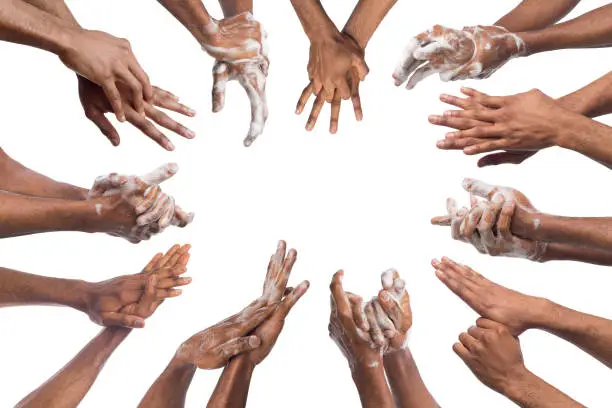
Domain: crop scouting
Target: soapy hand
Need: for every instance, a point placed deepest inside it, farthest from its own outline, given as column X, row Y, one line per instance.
column 474, row 52
column 252, row 76
column 154, row 209
column 213, row 347
column 95, row 104
column 348, row 327
column 335, row 68
column 234, row 39
column 487, row 224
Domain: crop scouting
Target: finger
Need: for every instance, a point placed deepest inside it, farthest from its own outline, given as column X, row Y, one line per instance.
column 152, row 195
column 153, row 263
column 254, row 84
column 133, row 83
column 484, row 99
column 455, row 122
column 167, row 122
column 391, row 308
column 361, row 69
column 220, row 78
column 407, row 63
column 355, row 98
column 287, row 267
column 479, row 188
column 420, row 74
column 166, row 219
column 143, row 78
column 304, row 98
column 486, row 223
column 239, row 345
column 359, row 317
column 468, row 341
column 103, row 184
column 110, row 319
column 174, row 282
column 488, row 324
column 316, row 110
column 105, row 126
column 149, row 301
column 255, row 320
column 462, row 352
column 384, row 322
column 160, row 174
column 472, row 221
column 454, row 281
column 335, row 112
column 461, row 103
column 375, row 330
column 505, row 220
column 483, row 115
column 504, row 158
column 180, row 257
column 155, row 213
column 292, row 298
column 456, row 224
column 114, row 97
column 167, row 100
column 181, row 218
column 486, row 147
column 338, row 294
column 146, row 127
column 476, row 332
column 167, row 256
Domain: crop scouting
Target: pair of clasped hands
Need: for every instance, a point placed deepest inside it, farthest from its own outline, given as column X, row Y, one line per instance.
column 117, row 83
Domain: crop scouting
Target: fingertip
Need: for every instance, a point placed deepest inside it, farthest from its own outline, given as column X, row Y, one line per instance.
column 254, row 342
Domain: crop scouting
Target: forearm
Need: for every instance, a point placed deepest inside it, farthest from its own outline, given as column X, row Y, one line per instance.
column 590, row 333
column 366, row 18
column 25, row 24
column 232, row 389
column 170, row 389
column 593, row 29
column 563, row 252
column 18, row 179
column 19, row 288
column 234, row 7
column 536, row 14
column 313, row 18
column 530, row 391
column 193, row 15
column 57, row 8
column 593, row 233
column 372, row 386
column 70, row 385
column 593, row 100
column 23, row 215
column 407, row 386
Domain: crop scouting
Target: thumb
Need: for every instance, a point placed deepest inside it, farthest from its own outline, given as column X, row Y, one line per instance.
column 362, row 69
column 160, row 174
column 495, row 159
column 478, row 188
column 220, row 78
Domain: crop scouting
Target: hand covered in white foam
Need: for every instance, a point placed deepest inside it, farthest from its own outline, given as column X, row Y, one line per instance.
column 393, row 312
column 236, row 38
column 487, row 224
column 154, row 209
column 474, row 52
column 252, row 76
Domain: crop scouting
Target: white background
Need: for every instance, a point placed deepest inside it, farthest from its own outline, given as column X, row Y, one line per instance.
column 359, row 200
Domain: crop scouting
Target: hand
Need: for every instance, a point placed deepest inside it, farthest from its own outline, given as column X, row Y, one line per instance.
column 155, row 209
column 128, row 300
column 279, row 269
column 108, row 61
column 268, row 331
column 335, row 68
column 235, row 38
column 492, row 353
column 215, row 346
column 515, row 310
column 395, row 302
column 490, row 225
column 449, row 120
column 529, row 122
column 96, row 103
column 349, row 328
column 252, row 77
column 474, row 52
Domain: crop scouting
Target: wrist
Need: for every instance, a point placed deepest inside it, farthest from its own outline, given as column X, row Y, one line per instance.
column 518, row 386
column 180, row 368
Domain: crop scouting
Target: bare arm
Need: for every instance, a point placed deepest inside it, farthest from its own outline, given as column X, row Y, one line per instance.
column 19, row 288
column 192, row 14
column 232, row 390
column 407, row 386
column 562, row 252
column 593, row 29
column 233, row 7
column 315, row 21
column 366, row 18
column 57, row 8
column 18, row 179
column 70, row 385
column 593, row 100
column 530, row 391
column 170, row 389
column 535, row 14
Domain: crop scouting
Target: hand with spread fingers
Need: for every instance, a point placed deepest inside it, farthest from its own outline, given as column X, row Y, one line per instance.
column 335, row 68
column 96, row 104
column 215, row 346
column 518, row 312
column 489, row 224
column 115, row 302
column 155, row 210
column 474, row 52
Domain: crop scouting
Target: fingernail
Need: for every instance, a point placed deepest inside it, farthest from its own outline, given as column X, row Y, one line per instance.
column 190, row 134
column 434, row 118
column 254, row 341
column 170, row 145
column 139, row 323
column 444, row 96
column 191, row 112
column 441, row 143
column 384, row 296
column 435, row 262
